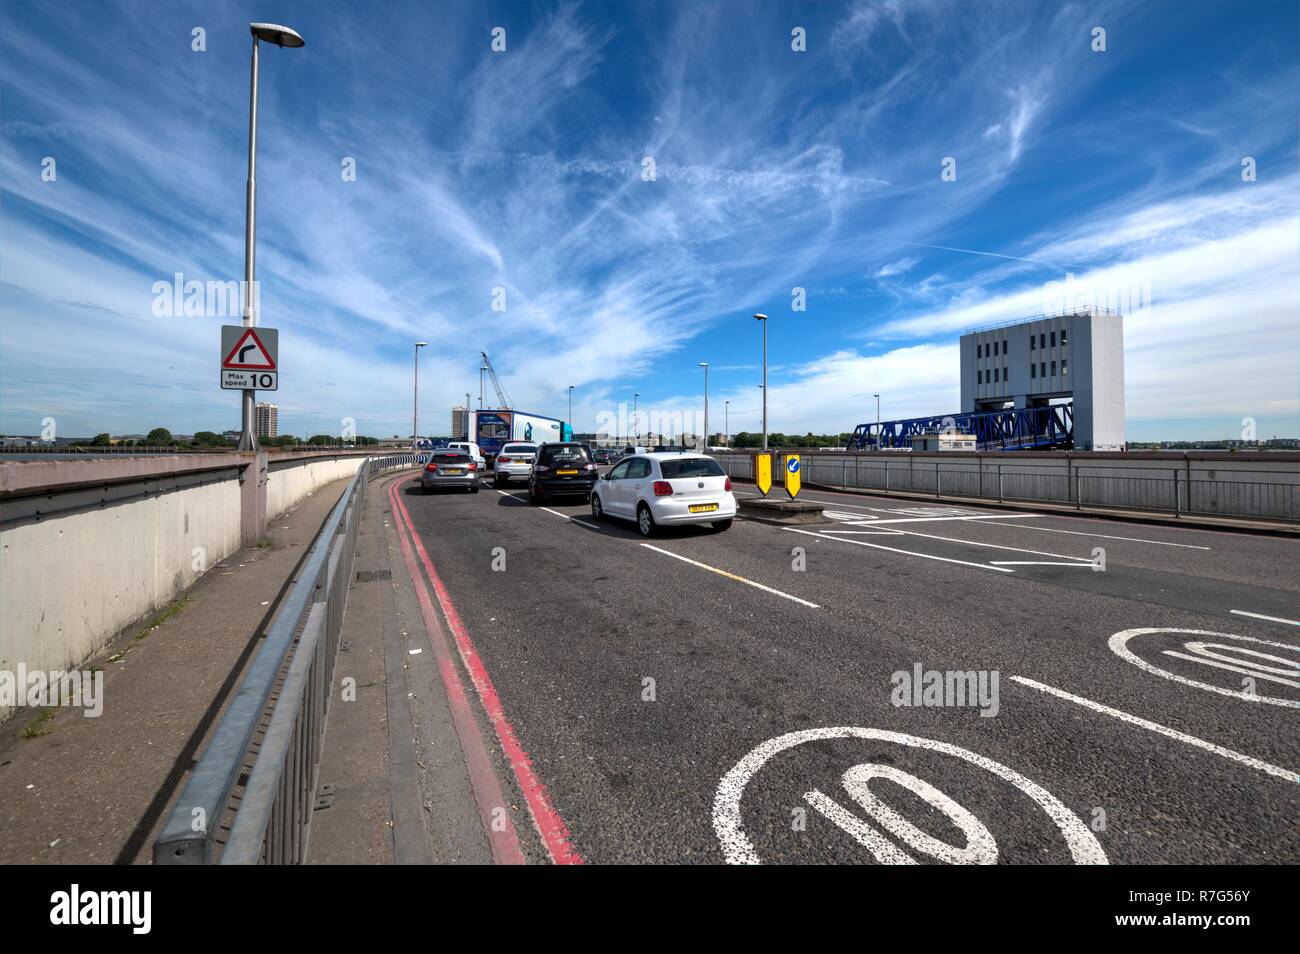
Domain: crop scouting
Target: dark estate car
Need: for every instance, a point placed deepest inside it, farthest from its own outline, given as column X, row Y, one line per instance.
column 450, row 469
column 560, row 470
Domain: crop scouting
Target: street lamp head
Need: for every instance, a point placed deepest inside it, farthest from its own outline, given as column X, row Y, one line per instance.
column 277, row 34
column 421, row 344
column 760, row 317
column 704, row 364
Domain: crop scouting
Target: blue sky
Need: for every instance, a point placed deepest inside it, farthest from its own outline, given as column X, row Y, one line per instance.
column 523, row 170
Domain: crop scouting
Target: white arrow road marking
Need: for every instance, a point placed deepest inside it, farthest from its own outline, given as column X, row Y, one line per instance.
column 1289, row 774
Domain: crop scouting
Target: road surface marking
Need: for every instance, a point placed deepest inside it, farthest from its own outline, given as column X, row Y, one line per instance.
column 504, row 493
column 730, row 576
column 1037, row 563
column 1119, row 646
column 1200, row 653
column 879, row 546
column 550, row 826
column 1271, row 619
column 1288, row 774
column 736, row 846
column 980, row 849
column 504, row 843
column 1102, row 536
column 995, row 546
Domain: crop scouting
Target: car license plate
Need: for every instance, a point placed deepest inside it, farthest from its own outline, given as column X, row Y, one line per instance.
column 566, row 473
column 454, row 470
column 703, row 508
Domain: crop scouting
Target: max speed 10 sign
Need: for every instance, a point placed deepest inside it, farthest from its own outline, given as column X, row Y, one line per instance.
column 250, row 358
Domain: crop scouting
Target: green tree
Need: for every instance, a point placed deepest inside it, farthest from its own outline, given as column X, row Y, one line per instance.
column 159, row 437
column 208, row 439
column 102, row 440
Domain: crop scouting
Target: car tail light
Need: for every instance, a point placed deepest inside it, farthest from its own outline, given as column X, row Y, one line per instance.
column 541, row 468
column 473, row 465
column 727, row 485
column 431, row 466
column 588, row 466
column 503, row 460
column 663, row 488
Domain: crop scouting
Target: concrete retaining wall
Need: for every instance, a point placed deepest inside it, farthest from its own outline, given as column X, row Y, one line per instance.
column 91, row 547
column 291, row 481
column 1258, row 485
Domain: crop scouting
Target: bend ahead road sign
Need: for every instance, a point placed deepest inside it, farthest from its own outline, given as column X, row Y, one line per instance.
column 793, row 480
column 763, row 472
column 250, row 358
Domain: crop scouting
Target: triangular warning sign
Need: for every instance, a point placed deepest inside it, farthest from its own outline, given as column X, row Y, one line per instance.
column 249, row 354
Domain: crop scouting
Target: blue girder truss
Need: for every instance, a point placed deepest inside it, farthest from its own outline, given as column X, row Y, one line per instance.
column 1022, row 428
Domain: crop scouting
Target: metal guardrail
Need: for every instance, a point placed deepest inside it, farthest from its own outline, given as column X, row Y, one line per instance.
column 1264, row 493
column 289, row 678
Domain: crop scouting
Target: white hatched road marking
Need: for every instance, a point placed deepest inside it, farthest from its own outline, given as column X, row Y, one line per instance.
column 926, row 556
column 1102, row 536
column 1271, row 619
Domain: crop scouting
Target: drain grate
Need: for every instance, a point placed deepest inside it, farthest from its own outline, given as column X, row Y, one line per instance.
column 369, row 576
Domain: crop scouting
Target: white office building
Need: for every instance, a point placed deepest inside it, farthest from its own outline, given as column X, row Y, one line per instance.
column 1077, row 357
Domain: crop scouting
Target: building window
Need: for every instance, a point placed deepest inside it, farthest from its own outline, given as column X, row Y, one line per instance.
column 1062, row 336
column 1053, row 369
column 1033, row 343
column 1033, row 368
column 1005, row 377
column 979, row 377
column 1042, row 369
column 1053, row 339
column 995, row 375
column 978, row 351
column 1042, row 340
column 1004, row 346
column 1064, row 368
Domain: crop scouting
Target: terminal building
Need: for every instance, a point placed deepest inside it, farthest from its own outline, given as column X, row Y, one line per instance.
column 1076, row 358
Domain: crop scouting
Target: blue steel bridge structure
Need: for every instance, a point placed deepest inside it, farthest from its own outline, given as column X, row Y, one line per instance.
column 1021, row 428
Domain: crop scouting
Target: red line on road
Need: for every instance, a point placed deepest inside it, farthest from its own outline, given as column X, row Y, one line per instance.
column 550, row 826
column 487, row 791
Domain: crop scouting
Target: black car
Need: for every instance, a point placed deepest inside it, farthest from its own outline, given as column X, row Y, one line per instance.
column 562, row 470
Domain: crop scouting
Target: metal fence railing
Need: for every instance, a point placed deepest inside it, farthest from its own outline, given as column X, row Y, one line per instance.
column 275, row 724
column 1261, row 492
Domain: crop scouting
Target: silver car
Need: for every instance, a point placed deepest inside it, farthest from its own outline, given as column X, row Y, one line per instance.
column 514, row 462
column 450, row 469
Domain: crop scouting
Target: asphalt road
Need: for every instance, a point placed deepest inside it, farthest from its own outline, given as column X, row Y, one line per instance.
column 735, row 696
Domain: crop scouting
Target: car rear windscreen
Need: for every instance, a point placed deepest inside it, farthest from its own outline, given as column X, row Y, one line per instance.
column 451, row 455
column 691, row 467
column 519, row 449
column 562, row 453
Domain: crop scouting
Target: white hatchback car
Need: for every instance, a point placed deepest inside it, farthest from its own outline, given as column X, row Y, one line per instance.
column 514, row 462
column 665, row 490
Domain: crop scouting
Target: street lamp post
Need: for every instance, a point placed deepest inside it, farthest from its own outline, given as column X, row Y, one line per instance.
column 636, row 421
column 281, row 36
column 877, row 397
column 480, row 386
column 415, row 412
column 570, row 406
column 763, row 318
column 726, row 424
column 705, row 366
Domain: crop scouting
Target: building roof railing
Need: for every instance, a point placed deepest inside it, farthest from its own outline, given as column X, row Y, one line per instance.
column 1084, row 311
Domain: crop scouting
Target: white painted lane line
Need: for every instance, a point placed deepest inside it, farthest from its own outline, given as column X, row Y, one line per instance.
column 731, row 576
column 995, row 546
column 1289, row 774
column 1101, row 536
column 584, row 523
column 927, row 556
column 1035, row 563
column 1271, row 619
column 556, row 512
column 991, row 516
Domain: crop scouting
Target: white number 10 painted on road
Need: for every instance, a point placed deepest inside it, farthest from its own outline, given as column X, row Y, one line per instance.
column 980, row 848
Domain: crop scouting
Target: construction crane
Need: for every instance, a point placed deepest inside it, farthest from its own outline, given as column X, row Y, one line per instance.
column 502, row 397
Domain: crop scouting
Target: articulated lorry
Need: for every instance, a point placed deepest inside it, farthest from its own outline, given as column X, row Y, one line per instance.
column 491, row 429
